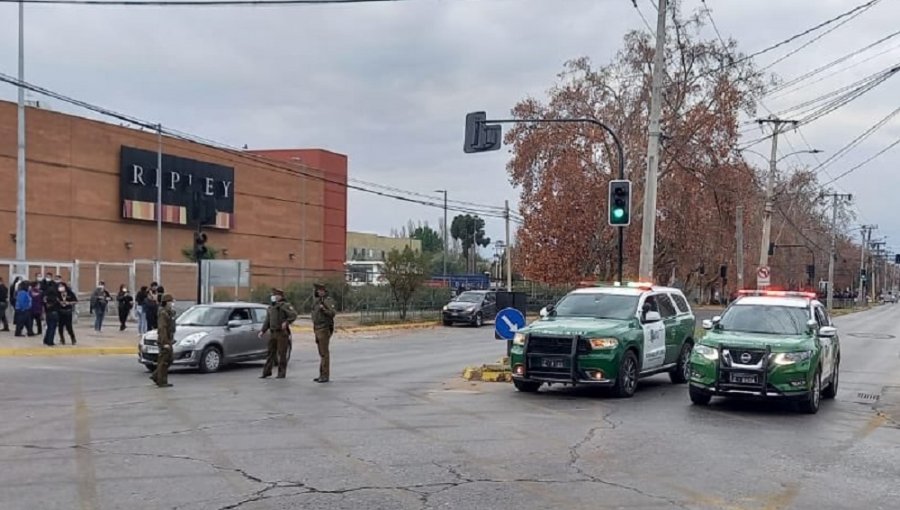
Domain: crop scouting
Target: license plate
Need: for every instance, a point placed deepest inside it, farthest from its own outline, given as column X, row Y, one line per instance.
column 553, row 363
column 151, row 349
column 744, row 379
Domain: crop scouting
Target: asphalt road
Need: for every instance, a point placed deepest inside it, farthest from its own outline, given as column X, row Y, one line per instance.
column 397, row 429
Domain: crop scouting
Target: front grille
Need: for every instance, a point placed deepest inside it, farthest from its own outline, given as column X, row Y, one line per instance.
column 549, row 345
column 739, row 356
column 148, row 341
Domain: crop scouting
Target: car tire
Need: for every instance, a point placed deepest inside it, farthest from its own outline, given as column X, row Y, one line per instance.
column 527, row 386
column 831, row 391
column 447, row 323
column 811, row 404
column 479, row 320
column 210, row 360
column 682, row 371
column 698, row 397
column 150, row 367
column 627, row 379
column 290, row 349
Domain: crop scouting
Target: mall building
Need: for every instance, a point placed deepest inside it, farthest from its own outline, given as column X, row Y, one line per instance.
column 92, row 204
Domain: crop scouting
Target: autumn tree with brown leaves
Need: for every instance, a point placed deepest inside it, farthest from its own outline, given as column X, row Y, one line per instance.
column 563, row 170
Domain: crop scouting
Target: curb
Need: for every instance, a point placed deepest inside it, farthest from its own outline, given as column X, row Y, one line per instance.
column 493, row 372
column 376, row 328
column 66, row 351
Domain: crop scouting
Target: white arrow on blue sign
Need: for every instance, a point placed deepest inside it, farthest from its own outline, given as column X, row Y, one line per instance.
column 509, row 321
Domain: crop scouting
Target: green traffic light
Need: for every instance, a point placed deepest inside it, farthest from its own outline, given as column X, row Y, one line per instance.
column 618, row 213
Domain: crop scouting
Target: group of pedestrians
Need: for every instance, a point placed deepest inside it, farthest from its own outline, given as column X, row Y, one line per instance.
column 41, row 307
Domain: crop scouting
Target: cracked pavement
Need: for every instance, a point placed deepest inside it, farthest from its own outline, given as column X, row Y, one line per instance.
column 397, row 429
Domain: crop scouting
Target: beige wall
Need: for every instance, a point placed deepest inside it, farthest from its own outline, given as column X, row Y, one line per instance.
column 372, row 246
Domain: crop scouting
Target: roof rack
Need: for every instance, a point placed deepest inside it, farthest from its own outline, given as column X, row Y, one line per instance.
column 777, row 293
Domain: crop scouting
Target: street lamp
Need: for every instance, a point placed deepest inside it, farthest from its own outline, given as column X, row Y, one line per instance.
column 445, row 229
column 810, row 151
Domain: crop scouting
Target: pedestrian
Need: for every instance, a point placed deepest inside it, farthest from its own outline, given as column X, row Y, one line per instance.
column 279, row 317
column 165, row 339
column 51, row 303
column 151, row 306
column 99, row 301
column 323, row 327
column 126, row 303
column 139, row 301
column 4, row 304
column 67, row 303
column 23, row 309
column 37, row 306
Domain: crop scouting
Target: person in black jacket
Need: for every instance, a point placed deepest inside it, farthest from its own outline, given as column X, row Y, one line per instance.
column 67, row 302
column 151, row 306
column 51, row 312
column 126, row 303
column 4, row 304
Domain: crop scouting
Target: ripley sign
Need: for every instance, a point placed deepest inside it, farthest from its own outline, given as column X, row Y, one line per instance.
column 183, row 180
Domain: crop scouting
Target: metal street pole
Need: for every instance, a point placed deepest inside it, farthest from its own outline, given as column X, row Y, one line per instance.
column 508, row 252
column 157, row 270
column 21, row 231
column 445, row 230
column 648, row 234
column 739, row 241
column 770, row 190
column 865, row 235
column 831, row 255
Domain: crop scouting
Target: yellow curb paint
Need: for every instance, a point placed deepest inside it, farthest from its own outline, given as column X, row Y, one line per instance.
column 67, row 351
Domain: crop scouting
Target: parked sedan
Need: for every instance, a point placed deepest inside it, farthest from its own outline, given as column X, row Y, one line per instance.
column 471, row 307
column 211, row 336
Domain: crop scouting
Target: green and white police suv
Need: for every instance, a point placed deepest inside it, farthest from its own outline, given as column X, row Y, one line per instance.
column 768, row 344
column 606, row 336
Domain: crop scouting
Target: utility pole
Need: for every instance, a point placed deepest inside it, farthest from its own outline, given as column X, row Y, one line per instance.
column 770, row 187
column 876, row 277
column 21, row 231
column 831, row 255
column 865, row 237
column 739, row 241
column 508, row 252
column 648, row 233
column 445, row 230
column 157, row 268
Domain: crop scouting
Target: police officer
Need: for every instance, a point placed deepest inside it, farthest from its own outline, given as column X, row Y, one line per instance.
column 165, row 340
column 323, row 325
column 279, row 317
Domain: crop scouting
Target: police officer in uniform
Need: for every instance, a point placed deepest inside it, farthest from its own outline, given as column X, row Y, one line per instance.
column 165, row 340
column 323, row 325
column 279, row 317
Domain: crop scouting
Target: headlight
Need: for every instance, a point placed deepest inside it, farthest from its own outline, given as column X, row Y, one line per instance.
column 710, row 353
column 446, row 308
column 519, row 339
column 603, row 343
column 151, row 335
column 192, row 339
column 789, row 358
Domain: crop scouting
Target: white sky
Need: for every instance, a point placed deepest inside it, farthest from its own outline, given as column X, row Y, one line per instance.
column 389, row 84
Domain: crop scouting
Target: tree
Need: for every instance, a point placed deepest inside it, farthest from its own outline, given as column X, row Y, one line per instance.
column 188, row 253
column 430, row 238
column 405, row 272
column 469, row 230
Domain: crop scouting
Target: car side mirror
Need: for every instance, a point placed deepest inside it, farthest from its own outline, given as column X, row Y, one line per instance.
column 827, row 331
column 651, row 317
column 548, row 311
column 812, row 325
column 707, row 324
column 234, row 324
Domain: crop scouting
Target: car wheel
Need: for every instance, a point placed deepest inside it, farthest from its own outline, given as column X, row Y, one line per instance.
column 527, row 386
column 832, row 389
column 150, row 367
column 811, row 404
column 479, row 320
column 682, row 371
column 210, row 360
column 626, row 382
column 699, row 398
column 290, row 349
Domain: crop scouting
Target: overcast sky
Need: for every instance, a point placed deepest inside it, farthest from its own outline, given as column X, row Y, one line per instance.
column 389, row 84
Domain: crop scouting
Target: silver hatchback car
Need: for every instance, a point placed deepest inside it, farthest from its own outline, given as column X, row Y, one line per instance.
column 211, row 336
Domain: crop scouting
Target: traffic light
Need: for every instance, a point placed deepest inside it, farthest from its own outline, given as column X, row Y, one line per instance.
column 811, row 272
column 620, row 203
column 897, row 258
column 481, row 137
column 771, row 249
column 723, row 271
column 200, row 249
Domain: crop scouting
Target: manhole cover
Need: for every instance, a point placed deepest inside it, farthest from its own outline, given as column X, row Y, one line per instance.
column 872, row 336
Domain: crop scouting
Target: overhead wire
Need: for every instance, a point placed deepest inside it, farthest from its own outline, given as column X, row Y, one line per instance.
column 194, row 3
column 864, row 163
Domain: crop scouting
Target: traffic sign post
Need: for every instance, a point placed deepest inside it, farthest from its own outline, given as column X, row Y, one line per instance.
column 763, row 278
column 509, row 321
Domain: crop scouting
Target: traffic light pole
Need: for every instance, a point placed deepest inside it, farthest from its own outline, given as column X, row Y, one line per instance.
column 619, row 150
column 199, row 266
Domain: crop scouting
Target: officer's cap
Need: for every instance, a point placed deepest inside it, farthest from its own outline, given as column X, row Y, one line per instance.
column 318, row 286
column 277, row 292
column 167, row 298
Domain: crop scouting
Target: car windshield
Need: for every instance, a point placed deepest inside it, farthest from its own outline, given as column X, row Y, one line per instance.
column 767, row 320
column 600, row 306
column 470, row 297
column 203, row 316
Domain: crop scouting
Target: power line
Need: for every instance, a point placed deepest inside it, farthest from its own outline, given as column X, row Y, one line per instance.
column 194, row 3
column 856, row 141
column 864, row 163
column 293, row 170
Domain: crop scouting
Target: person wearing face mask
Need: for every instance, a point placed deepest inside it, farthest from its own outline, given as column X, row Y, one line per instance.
column 165, row 340
column 37, row 307
column 67, row 301
column 99, row 301
column 151, row 306
column 279, row 317
column 51, row 303
column 323, row 327
column 126, row 302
